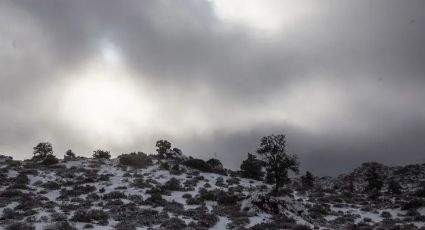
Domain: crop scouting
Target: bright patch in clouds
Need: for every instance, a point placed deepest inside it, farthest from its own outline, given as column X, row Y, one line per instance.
column 105, row 104
column 110, row 53
column 265, row 15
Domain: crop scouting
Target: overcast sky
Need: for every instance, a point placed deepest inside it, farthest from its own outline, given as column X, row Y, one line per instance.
column 344, row 80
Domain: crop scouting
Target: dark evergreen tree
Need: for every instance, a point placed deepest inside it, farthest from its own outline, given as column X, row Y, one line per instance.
column 394, row 187
column 252, row 168
column 307, row 180
column 163, row 148
column 215, row 163
column 101, row 154
column 42, row 150
column 374, row 180
column 69, row 155
column 350, row 187
column 43, row 153
column 50, row 160
column 278, row 162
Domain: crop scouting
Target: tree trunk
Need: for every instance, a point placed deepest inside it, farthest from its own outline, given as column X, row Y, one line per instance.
column 276, row 191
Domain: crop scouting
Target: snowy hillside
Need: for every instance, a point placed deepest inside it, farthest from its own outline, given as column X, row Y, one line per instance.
column 102, row 194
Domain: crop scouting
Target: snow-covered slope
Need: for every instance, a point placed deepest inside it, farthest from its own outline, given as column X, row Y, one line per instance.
column 101, row 194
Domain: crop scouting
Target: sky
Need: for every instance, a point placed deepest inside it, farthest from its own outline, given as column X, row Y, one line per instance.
column 344, row 80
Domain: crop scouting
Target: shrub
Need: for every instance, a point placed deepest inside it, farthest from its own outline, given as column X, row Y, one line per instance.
column 136, row 160
column 172, row 184
column 198, row 164
column 141, row 183
column 136, row 199
column 233, row 180
column 214, row 163
column 126, row 225
column 252, row 168
column 307, row 180
column 385, row 214
column 19, row 226
column 163, row 147
column 193, row 201
column 114, row 195
column 177, row 170
column 224, row 198
column 10, row 193
column 88, row 226
column 50, row 160
column 57, row 216
column 22, row 179
column 42, row 150
column 69, row 155
column 301, row 227
column 174, row 224
column 63, row 225
column 94, row 215
column 187, row 195
column 413, row 204
column 208, row 220
column 77, row 190
column 173, row 207
column 155, row 199
column 149, row 217
column 394, row 187
column 51, row 185
column 101, row 154
column 420, row 192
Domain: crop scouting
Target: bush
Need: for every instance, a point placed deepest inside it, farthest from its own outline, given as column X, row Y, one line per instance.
column 42, row 150
column 141, row 183
column 224, row 198
column 413, row 204
column 420, row 192
column 172, row 184
column 163, row 147
column 69, row 155
column 19, row 226
column 22, row 179
column 252, row 168
column 193, row 201
column 209, row 195
column 214, row 163
column 114, row 195
column 63, row 225
column 394, row 187
column 174, row 224
column 94, row 215
column 77, row 190
column 101, row 154
column 11, row 193
column 57, row 216
column 51, row 185
column 136, row 160
column 198, row 164
column 50, row 160
column 125, row 225
column 301, row 227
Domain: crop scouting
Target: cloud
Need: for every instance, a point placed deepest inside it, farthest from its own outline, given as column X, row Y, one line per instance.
column 332, row 75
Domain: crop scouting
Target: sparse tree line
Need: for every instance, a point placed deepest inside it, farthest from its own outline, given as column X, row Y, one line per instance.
column 271, row 163
column 275, row 163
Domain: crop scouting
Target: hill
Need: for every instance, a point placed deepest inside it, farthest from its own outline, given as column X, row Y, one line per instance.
column 172, row 194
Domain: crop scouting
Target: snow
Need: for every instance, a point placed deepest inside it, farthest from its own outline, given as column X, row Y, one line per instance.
column 221, row 224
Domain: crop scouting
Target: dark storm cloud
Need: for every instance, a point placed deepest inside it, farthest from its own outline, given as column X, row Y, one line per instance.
column 368, row 58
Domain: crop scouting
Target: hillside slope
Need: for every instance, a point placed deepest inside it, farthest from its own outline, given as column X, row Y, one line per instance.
column 102, row 194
